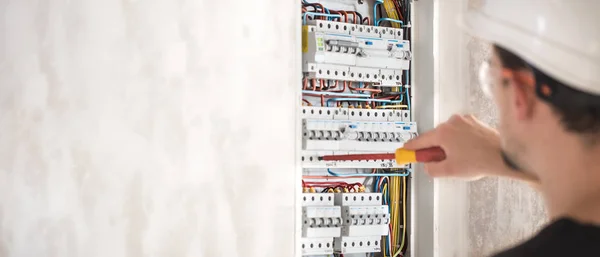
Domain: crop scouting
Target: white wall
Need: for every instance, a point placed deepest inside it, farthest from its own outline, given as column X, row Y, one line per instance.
column 148, row 128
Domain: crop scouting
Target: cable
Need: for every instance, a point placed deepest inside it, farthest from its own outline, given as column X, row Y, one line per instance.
column 377, row 2
column 404, row 189
column 330, row 177
column 390, row 20
column 306, row 101
column 392, row 106
column 362, row 100
column 360, row 88
column 367, row 19
column 334, row 94
column 370, row 174
column 319, row 14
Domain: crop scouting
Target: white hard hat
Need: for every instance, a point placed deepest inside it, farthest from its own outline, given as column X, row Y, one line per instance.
column 559, row 37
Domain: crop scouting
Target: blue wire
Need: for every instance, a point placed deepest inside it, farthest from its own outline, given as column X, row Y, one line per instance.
column 378, row 2
column 364, row 100
column 390, row 20
column 335, row 94
column 370, row 174
column 407, row 95
column 319, row 14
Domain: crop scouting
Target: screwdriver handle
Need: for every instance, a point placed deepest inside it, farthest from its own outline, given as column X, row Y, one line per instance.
column 432, row 154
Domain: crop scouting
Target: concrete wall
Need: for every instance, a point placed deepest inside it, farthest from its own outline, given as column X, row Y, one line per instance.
column 139, row 128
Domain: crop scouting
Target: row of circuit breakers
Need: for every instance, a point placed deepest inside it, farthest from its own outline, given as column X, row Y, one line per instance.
column 343, row 222
column 352, row 52
column 335, row 131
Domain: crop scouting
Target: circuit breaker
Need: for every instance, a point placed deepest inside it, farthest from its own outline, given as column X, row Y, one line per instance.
column 321, row 223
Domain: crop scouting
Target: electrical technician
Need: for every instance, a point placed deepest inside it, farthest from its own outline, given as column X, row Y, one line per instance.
column 544, row 76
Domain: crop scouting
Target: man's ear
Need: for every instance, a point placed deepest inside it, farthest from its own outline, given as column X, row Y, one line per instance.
column 523, row 87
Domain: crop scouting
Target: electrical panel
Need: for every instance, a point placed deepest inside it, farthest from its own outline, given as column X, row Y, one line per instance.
column 356, row 97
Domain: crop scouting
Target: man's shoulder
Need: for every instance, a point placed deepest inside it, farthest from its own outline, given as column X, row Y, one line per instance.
column 564, row 237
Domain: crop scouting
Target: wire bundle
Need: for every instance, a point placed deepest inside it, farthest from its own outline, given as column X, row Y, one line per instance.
column 394, row 190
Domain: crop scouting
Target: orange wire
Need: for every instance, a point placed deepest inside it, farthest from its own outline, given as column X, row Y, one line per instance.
column 305, row 83
column 368, row 20
column 365, row 89
column 338, row 91
column 334, row 85
column 345, row 16
column 353, row 15
column 330, row 177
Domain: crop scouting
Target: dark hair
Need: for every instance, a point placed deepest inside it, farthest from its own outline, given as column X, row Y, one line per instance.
column 579, row 111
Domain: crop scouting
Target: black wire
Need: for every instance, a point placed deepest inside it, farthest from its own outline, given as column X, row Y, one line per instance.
column 360, row 17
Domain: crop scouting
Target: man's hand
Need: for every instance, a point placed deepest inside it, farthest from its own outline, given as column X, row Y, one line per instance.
column 472, row 150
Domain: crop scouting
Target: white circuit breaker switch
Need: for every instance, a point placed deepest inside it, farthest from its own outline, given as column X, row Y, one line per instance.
column 318, row 199
column 347, row 245
column 317, row 246
column 405, row 116
column 365, row 220
column 321, row 221
column 358, row 199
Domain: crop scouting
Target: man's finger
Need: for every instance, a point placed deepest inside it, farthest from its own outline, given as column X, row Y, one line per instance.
column 425, row 140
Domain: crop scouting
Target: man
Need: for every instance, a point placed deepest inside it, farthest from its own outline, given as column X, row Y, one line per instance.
column 544, row 75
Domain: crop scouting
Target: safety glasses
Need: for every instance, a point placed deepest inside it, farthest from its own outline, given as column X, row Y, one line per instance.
column 491, row 76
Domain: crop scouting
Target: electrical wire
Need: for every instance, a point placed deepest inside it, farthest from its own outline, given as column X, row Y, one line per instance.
column 390, row 20
column 319, row 14
column 377, row 2
column 362, row 100
column 360, row 88
column 330, row 177
column 391, row 106
column 334, row 94
column 370, row 174
column 404, row 189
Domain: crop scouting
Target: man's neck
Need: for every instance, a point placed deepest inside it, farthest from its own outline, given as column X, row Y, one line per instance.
column 570, row 177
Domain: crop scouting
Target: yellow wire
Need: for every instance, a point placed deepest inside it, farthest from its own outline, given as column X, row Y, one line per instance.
column 396, row 214
column 390, row 10
column 391, row 106
column 383, row 193
column 404, row 189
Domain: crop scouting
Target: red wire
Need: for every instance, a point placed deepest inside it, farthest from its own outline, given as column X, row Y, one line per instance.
column 359, row 157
